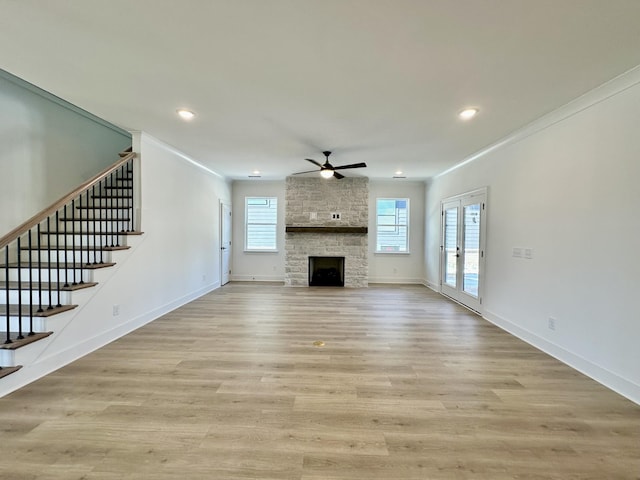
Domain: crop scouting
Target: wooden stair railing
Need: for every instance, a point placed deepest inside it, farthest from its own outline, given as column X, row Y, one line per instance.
column 54, row 252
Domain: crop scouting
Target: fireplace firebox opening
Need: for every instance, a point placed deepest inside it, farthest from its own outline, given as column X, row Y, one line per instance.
column 326, row 271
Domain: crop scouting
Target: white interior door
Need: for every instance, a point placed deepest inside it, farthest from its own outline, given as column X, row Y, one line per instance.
column 225, row 243
column 462, row 249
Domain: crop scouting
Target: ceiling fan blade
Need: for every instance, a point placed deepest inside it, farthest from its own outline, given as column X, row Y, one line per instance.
column 337, row 175
column 313, row 161
column 308, row 171
column 353, row 165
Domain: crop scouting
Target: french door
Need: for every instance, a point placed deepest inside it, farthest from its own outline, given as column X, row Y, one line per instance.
column 462, row 248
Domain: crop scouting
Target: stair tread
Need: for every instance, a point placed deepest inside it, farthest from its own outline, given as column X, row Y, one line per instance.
column 77, row 249
column 62, row 232
column 92, row 219
column 45, row 266
column 94, row 207
column 45, row 286
column 17, row 343
column 112, row 196
column 4, row 371
column 28, row 310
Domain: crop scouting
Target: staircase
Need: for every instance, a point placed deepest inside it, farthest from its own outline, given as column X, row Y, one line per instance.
column 52, row 256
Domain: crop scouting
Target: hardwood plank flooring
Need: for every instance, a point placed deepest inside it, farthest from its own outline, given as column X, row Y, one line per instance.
column 407, row 386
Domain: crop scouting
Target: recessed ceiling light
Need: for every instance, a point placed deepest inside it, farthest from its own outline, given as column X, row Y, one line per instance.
column 398, row 172
column 185, row 114
column 468, row 113
column 256, row 172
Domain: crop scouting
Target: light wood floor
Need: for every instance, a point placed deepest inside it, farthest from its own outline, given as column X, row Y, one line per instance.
column 407, row 386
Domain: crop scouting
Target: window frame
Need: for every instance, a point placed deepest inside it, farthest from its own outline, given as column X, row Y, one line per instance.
column 247, row 247
column 407, row 226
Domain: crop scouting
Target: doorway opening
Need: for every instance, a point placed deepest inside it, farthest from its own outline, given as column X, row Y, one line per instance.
column 462, row 248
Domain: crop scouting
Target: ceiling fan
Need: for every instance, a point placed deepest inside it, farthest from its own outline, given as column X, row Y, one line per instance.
column 327, row 170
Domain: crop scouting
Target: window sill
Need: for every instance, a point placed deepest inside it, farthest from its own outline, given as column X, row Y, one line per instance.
column 260, row 251
column 392, row 253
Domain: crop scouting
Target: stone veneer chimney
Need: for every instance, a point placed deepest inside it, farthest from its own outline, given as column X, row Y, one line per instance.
column 311, row 202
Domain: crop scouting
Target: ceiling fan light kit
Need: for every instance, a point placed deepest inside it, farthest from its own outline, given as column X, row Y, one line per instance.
column 327, row 170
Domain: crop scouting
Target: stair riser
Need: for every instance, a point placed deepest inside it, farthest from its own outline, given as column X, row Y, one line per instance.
column 83, row 240
column 91, row 225
column 65, row 256
column 85, row 275
column 39, row 325
column 119, row 192
column 110, row 202
column 65, row 297
column 7, row 357
column 104, row 213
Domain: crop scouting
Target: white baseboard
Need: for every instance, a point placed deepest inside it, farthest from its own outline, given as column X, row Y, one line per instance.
column 433, row 286
column 257, row 278
column 601, row 375
column 397, row 280
column 51, row 363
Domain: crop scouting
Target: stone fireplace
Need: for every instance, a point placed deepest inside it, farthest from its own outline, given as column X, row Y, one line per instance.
column 326, row 218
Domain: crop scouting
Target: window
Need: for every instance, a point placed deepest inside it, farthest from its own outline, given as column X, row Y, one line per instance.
column 392, row 225
column 261, row 218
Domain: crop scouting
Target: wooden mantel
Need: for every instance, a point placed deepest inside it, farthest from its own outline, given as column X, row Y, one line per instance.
column 331, row 229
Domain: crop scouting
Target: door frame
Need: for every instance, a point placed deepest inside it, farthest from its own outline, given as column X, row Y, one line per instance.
column 223, row 206
column 458, row 294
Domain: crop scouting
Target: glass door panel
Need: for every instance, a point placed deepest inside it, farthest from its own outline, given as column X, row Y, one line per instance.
column 451, row 254
column 471, row 246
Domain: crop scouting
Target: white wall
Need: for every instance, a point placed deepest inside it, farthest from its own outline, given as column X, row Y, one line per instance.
column 257, row 266
column 175, row 261
column 393, row 267
column 382, row 267
column 567, row 187
column 47, row 148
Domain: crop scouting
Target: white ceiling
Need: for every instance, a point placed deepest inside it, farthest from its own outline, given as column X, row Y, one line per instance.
column 277, row 81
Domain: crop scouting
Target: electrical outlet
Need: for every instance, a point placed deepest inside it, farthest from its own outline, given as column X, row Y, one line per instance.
column 517, row 252
column 528, row 253
column 552, row 323
column 313, row 216
column 116, row 310
column 335, row 216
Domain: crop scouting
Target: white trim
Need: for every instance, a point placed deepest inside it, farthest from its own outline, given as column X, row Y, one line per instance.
column 601, row 375
column 430, row 285
column 257, row 278
column 221, row 209
column 396, row 280
column 587, row 100
column 392, row 253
